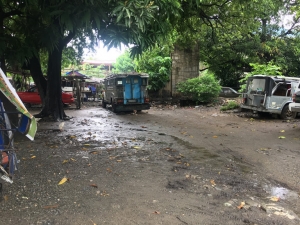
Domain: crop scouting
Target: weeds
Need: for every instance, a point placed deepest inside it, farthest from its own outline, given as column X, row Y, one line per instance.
column 230, row 105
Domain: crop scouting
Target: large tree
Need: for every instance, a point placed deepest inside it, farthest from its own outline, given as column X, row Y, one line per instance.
column 261, row 37
column 51, row 25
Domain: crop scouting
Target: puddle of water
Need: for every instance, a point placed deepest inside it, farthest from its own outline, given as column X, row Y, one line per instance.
column 281, row 192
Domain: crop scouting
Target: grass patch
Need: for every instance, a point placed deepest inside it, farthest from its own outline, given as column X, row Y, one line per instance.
column 230, row 105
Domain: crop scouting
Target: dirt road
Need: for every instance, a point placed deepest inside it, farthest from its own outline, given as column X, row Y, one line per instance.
column 168, row 165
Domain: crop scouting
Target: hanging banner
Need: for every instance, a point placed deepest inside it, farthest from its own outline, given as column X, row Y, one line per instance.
column 9, row 91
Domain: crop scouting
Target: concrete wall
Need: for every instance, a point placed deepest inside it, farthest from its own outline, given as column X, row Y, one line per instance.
column 185, row 65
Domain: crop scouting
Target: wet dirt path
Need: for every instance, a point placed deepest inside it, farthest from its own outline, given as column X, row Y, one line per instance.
column 182, row 166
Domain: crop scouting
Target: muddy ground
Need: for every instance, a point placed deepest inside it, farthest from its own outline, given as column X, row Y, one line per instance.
column 167, row 165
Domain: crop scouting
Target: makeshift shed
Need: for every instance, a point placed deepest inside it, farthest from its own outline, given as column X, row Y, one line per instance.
column 75, row 82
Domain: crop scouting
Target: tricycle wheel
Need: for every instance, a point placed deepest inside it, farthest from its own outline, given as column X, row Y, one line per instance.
column 286, row 114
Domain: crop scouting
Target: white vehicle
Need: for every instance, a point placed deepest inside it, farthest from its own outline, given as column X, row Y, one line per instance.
column 270, row 94
column 295, row 105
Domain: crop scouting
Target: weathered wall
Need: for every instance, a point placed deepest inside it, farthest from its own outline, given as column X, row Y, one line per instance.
column 185, row 65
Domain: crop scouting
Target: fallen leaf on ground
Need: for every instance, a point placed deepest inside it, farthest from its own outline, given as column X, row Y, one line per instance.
column 281, row 137
column 241, row 205
column 50, row 206
column 282, row 131
column 156, row 212
column 86, row 144
column 274, row 198
column 119, row 160
column 94, row 185
column 64, row 180
column 212, row 182
column 5, row 197
column 104, row 194
column 33, row 157
column 215, row 136
column 65, row 161
column 93, row 152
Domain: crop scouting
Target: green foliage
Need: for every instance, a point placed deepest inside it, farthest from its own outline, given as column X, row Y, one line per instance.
column 91, row 71
column 265, row 69
column 260, row 69
column 124, row 63
column 201, row 89
column 230, row 105
column 156, row 63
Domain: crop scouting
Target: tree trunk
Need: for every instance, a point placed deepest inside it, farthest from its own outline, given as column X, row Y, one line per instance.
column 2, row 58
column 53, row 106
column 38, row 78
column 263, row 36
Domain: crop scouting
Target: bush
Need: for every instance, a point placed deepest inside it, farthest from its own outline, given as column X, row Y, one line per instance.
column 203, row 89
column 230, row 105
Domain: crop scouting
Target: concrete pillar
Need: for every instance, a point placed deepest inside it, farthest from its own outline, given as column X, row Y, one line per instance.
column 185, row 65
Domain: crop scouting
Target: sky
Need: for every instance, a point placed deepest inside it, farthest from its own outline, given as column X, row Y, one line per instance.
column 102, row 53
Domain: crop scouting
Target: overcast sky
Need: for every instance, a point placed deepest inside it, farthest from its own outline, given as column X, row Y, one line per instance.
column 103, row 54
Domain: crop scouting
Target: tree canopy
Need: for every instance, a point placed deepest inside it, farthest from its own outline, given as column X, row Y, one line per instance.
column 50, row 25
column 230, row 35
column 124, row 63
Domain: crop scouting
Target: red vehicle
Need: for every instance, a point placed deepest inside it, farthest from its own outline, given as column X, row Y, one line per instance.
column 32, row 97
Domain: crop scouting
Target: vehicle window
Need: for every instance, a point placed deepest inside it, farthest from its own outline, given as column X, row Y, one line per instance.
column 135, row 80
column 283, row 90
column 119, row 82
column 144, row 81
column 257, row 85
column 227, row 90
